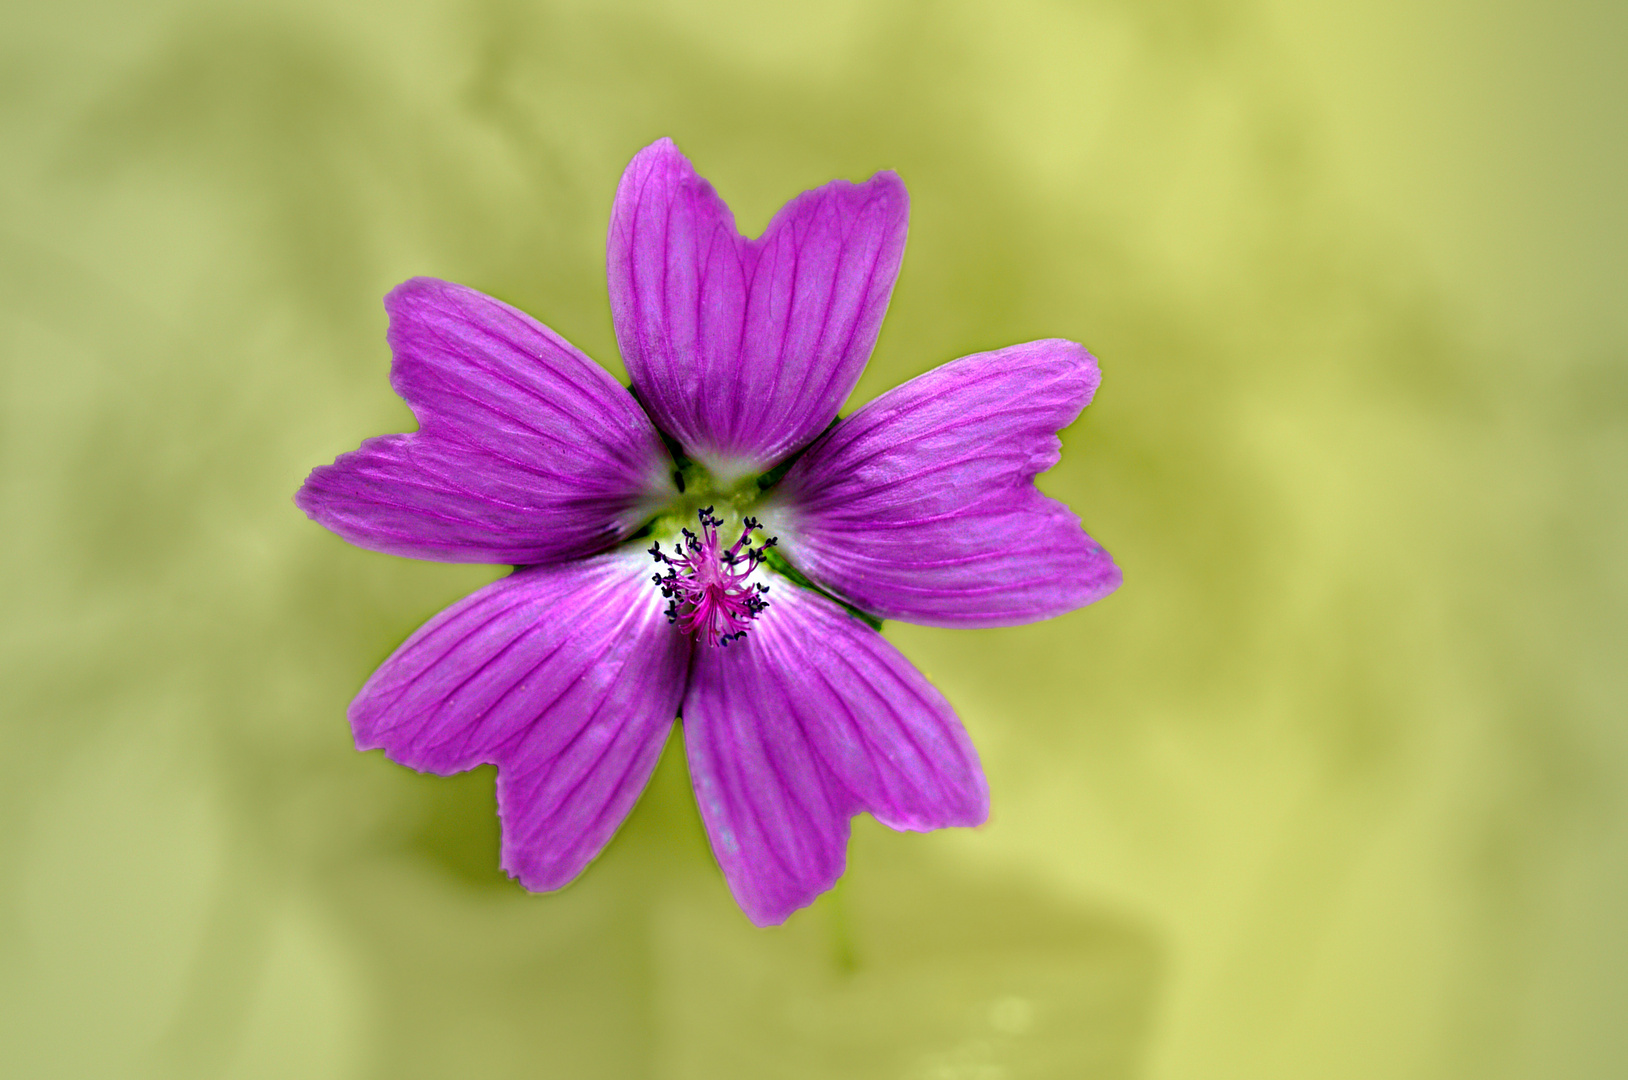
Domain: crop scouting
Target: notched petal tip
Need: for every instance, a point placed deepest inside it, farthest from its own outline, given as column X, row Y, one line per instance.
column 813, row 719
column 566, row 678
column 527, row 451
column 921, row 506
column 744, row 350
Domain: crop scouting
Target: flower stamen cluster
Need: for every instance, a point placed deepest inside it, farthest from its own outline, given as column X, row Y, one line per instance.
column 706, row 585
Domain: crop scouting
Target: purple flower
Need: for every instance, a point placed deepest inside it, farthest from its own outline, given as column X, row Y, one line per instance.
column 645, row 591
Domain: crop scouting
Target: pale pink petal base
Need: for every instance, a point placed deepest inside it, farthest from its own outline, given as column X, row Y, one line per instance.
column 811, row 719
column 567, row 678
column 921, row 506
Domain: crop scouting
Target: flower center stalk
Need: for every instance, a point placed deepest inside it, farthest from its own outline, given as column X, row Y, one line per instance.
column 707, row 585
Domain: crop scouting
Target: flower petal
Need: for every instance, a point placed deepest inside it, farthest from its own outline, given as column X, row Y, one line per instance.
column 921, row 507
column 527, row 451
column 566, row 677
column 808, row 720
column 744, row 350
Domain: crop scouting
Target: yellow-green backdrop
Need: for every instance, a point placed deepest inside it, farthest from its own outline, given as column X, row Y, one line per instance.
column 1333, row 787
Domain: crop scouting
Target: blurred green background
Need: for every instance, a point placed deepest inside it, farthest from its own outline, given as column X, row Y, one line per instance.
column 1333, row 787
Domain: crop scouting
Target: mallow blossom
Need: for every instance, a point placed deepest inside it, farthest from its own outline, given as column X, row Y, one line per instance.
column 713, row 545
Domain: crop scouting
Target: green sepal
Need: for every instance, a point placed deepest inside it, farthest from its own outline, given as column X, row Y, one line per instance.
column 778, row 563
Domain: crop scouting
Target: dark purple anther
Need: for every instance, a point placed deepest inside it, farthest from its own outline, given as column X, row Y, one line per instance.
column 708, row 593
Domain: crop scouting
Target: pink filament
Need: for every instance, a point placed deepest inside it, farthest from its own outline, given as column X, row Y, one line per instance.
column 706, row 585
